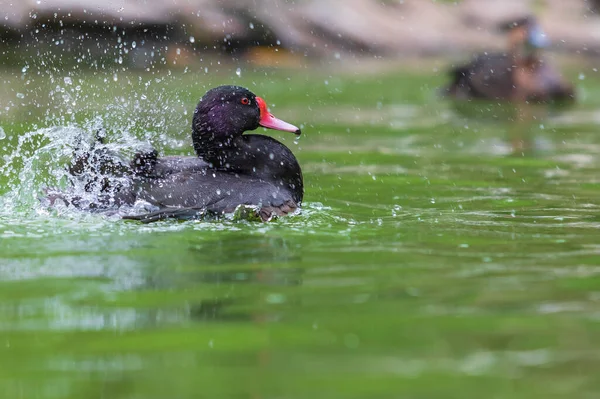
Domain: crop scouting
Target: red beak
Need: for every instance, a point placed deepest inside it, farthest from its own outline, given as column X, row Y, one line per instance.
column 270, row 122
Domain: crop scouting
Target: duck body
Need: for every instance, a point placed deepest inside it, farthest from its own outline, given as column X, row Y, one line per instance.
column 518, row 75
column 185, row 187
column 498, row 76
column 488, row 76
column 231, row 168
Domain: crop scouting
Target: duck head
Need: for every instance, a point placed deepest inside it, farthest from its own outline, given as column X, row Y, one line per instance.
column 225, row 113
column 525, row 35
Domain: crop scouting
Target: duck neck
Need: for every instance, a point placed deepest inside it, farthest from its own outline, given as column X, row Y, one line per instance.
column 527, row 60
column 523, row 55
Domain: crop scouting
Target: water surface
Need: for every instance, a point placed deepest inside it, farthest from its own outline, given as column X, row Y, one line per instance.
column 432, row 259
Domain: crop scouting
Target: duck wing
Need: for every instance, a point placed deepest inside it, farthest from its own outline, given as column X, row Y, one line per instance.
column 151, row 166
column 169, row 213
column 188, row 195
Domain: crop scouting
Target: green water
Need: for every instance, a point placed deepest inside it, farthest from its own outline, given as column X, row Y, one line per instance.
column 430, row 260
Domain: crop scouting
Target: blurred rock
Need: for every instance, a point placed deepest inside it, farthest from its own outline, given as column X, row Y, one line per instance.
column 321, row 28
column 487, row 14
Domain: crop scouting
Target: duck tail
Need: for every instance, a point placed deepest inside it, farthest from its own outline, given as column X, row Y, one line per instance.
column 96, row 157
column 144, row 161
column 82, row 155
column 564, row 94
column 457, row 76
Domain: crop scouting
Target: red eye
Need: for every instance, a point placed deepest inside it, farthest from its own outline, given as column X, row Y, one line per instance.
column 245, row 101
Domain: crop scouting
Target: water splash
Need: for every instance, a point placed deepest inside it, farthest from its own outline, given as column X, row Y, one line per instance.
column 40, row 186
column 39, row 161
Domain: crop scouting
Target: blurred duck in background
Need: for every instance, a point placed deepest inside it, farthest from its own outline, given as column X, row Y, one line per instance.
column 518, row 75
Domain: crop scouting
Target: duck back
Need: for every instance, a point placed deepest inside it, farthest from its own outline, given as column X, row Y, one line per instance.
column 487, row 76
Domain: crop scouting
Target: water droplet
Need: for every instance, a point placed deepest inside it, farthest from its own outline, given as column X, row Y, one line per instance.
column 581, row 76
column 20, row 95
column 192, row 39
column 238, row 72
column 251, row 25
column 133, row 45
column 120, row 60
column 143, row 97
column 68, row 80
column 271, row 156
column 115, row 77
column 2, row 133
column 218, row 192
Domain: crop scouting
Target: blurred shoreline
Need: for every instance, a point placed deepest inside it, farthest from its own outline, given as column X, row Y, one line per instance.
column 280, row 33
